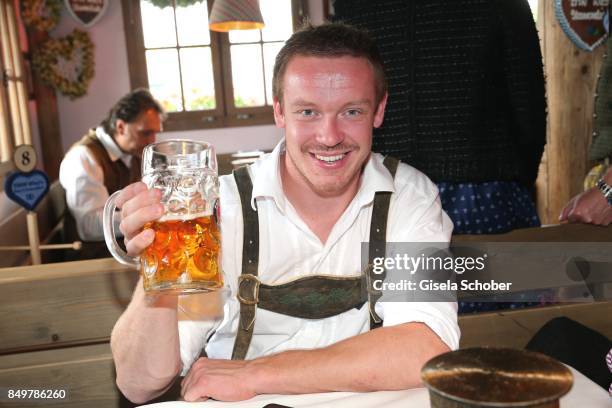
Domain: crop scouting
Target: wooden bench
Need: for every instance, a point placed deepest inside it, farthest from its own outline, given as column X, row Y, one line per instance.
column 55, row 328
column 56, row 320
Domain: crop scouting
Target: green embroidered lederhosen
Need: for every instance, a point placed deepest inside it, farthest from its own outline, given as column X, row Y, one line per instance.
column 310, row 297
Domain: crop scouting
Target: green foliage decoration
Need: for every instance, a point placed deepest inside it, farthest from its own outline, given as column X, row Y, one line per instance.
column 41, row 15
column 67, row 64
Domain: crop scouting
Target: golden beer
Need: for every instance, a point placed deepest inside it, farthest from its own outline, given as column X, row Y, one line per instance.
column 184, row 256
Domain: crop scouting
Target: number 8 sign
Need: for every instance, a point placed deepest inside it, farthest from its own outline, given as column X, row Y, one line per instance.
column 24, row 158
column 26, row 186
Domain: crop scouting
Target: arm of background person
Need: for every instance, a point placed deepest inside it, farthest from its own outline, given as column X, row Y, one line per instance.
column 589, row 207
column 83, row 180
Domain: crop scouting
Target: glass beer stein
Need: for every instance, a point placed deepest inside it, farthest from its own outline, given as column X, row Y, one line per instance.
column 185, row 256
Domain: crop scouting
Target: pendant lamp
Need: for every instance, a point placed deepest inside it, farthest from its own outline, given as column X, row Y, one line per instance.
column 235, row 15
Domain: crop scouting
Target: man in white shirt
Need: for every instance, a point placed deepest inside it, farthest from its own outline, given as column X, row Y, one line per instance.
column 314, row 198
column 105, row 160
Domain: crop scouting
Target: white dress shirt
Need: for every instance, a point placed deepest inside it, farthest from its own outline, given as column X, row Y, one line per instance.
column 83, row 179
column 288, row 249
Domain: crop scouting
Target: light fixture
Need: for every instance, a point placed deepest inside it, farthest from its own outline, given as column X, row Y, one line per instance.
column 235, row 15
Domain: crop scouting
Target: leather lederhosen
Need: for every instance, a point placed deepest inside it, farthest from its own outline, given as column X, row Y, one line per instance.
column 310, row 297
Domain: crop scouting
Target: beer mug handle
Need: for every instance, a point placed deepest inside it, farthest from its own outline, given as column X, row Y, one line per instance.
column 109, row 233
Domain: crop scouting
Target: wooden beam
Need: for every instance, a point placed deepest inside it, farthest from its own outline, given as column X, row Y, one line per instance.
column 47, row 114
column 571, row 76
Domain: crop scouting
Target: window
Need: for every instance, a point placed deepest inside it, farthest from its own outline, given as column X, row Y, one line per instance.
column 14, row 120
column 202, row 78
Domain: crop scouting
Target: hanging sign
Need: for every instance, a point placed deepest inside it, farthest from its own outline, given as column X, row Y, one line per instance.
column 585, row 22
column 87, row 12
column 27, row 186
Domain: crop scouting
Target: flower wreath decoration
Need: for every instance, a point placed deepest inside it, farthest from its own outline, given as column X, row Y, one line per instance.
column 66, row 64
column 42, row 15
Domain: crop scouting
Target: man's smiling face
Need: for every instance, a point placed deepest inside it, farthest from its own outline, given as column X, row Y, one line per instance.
column 328, row 110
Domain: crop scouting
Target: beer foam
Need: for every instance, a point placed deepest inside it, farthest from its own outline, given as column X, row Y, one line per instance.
column 183, row 217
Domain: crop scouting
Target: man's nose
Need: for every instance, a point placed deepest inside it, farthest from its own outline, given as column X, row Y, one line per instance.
column 330, row 134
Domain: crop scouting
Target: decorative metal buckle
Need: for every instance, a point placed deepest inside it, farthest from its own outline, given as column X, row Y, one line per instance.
column 256, row 283
column 373, row 294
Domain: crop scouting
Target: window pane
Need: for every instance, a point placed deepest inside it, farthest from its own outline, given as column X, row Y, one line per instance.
column 198, row 82
column 157, row 25
column 278, row 18
column 270, row 51
column 247, row 75
column 192, row 24
column 244, row 36
column 164, row 80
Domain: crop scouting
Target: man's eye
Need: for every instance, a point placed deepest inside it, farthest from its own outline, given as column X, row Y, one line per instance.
column 307, row 112
column 353, row 112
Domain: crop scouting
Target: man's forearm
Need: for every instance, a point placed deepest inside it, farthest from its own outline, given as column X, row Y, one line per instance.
column 384, row 359
column 145, row 346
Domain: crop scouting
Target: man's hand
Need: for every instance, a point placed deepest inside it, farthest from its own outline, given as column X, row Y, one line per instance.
column 223, row 380
column 139, row 205
column 589, row 207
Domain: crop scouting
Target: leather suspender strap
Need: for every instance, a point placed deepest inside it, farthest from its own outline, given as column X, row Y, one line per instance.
column 312, row 297
column 378, row 240
column 250, row 263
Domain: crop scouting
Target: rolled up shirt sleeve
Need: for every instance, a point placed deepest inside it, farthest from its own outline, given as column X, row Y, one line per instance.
column 432, row 226
column 83, row 180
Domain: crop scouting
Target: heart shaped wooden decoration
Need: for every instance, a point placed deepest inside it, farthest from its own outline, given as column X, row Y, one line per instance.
column 585, row 22
column 27, row 189
column 87, row 12
column 67, row 64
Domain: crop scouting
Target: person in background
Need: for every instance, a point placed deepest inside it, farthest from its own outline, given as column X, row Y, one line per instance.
column 466, row 105
column 306, row 207
column 105, row 160
column 466, row 102
column 594, row 205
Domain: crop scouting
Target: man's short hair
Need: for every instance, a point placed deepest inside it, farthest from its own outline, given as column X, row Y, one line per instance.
column 330, row 40
column 129, row 107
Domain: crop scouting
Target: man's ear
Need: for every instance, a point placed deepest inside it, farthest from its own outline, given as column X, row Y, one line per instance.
column 120, row 127
column 380, row 111
column 279, row 116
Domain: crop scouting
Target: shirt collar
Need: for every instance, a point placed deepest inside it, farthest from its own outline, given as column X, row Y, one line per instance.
column 114, row 152
column 375, row 178
column 267, row 179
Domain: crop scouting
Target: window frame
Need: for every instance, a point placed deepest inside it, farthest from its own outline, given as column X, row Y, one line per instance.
column 225, row 113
